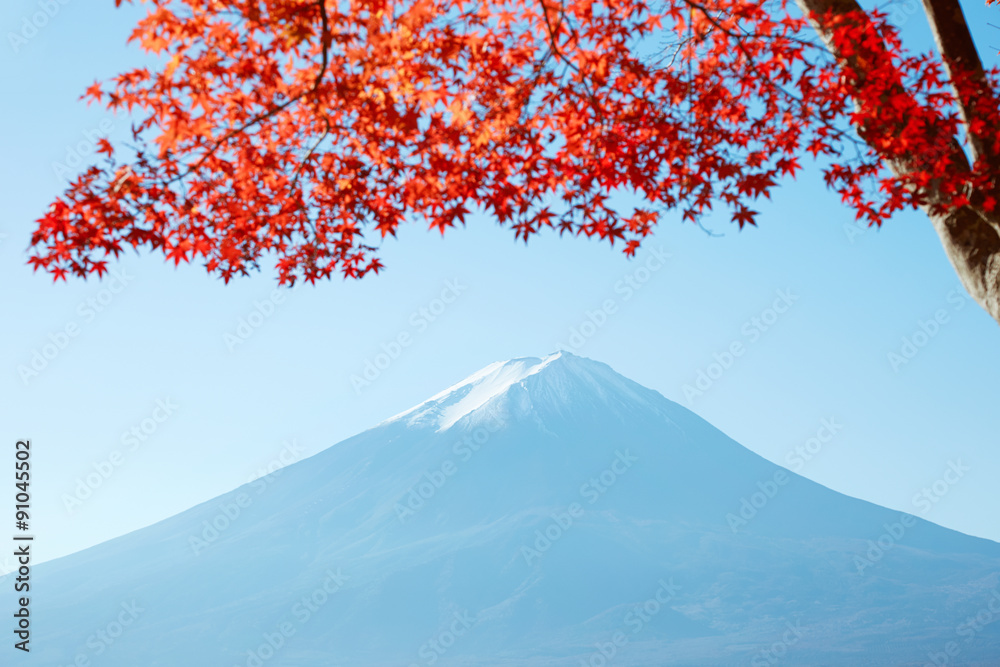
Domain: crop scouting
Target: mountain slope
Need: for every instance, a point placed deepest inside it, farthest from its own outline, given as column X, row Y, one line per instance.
column 541, row 512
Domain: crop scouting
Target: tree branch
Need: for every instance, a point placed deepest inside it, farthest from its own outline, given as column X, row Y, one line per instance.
column 951, row 33
column 264, row 115
column 970, row 237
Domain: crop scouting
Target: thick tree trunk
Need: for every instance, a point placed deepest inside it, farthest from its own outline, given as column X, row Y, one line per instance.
column 970, row 237
column 973, row 248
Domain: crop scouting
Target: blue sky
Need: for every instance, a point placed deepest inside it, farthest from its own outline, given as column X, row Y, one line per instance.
column 161, row 336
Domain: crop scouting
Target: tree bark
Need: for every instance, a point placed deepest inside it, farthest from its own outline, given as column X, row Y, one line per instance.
column 969, row 235
column 954, row 41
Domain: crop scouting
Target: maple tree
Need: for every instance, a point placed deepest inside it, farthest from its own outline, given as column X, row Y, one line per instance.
column 308, row 130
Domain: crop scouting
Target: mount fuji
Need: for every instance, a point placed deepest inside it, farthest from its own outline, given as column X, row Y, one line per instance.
column 541, row 512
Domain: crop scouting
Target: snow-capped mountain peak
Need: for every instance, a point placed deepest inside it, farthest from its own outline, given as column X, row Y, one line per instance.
column 558, row 381
column 445, row 408
column 536, row 542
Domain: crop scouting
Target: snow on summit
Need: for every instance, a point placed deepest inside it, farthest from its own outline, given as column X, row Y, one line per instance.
column 562, row 373
column 447, row 407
